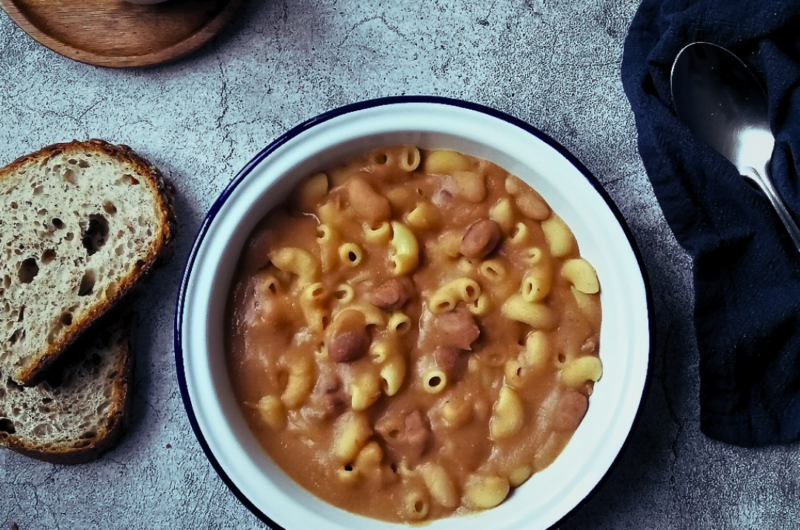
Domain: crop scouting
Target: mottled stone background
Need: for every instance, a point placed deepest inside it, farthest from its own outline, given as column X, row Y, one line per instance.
column 553, row 63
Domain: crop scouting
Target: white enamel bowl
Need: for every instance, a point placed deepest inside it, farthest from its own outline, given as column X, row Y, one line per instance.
column 603, row 237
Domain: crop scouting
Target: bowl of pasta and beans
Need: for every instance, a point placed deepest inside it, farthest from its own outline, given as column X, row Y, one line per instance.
column 413, row 310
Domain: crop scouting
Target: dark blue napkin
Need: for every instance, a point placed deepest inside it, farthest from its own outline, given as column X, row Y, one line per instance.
column 746, row 269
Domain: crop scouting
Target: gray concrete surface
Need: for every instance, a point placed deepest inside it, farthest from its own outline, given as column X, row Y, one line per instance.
column 553, row 63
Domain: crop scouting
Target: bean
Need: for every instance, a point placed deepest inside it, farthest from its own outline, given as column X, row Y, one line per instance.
column 348, row 346
column 391, row 295
column 480, row 238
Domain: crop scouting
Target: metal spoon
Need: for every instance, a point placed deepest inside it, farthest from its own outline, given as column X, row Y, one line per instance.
column 721, row 102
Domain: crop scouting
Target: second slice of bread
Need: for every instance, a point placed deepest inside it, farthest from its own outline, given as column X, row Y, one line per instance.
column 80, row 224
column 81, row 410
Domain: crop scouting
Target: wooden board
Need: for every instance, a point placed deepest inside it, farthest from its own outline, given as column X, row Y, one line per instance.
column 118, row 34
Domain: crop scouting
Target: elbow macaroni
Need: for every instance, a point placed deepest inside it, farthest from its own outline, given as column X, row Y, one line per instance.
column 344, row 294
column 456, row 413
column 507, row 414
column 536, row 315
column 536, row 285
column 469, row 186
column 331, row 213
column 311, row 298
column 513, row 373
column 481, row 306
column 588, row 304
column 484, row 492
column 409, row 158
column 312, row 190
column 393, row 373
column 380, row 235
column 383, row 350
column 520, row 235
column 369, row 459
column 440, row 485
column 416, row 504
column 528, row 201
column 534, row 256
column 328, row 239
column 519, row 475
column 447, row 296
column 399, row 323
column 582, row 275
column 367, row 203
column 372, row 315
column 405, row 256
column 272, row 412
column 300, row 383
column 424, row 216
column 444, row 162
column 351, row 254
column 365, row 391
column 267, row 285
column 503, row 214
column 578, row 371
column 493, row 270
column 299, row 262
column 559, row 237
column 450, row 243
column 434, row 381
column 351, row 433
column 537, row 351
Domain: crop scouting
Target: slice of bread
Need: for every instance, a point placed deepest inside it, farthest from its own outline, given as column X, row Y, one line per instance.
column 81, row 222
column 81, row 410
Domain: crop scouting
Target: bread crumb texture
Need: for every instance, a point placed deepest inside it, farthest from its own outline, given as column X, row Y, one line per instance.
column 80, row 222
column 75, row 408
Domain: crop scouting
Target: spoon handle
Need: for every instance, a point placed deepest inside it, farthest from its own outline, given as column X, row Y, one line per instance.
column 763, row 179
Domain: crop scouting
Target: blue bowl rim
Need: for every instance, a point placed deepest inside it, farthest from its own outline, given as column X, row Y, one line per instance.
column 347, row 109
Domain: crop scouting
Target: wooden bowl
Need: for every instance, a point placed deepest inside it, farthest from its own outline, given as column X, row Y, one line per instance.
column 119, row 34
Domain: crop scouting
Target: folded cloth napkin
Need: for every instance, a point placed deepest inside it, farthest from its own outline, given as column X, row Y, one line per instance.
column 746, row 269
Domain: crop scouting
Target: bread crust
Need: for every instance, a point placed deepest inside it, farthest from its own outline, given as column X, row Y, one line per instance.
column 81, row 451
column 163, row 196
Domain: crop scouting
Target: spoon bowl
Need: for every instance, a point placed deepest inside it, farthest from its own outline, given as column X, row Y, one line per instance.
column 717, row 96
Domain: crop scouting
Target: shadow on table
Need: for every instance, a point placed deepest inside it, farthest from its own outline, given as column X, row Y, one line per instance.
column 155, row 386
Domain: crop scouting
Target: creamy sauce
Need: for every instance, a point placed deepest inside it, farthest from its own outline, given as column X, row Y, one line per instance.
column 372, row 384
